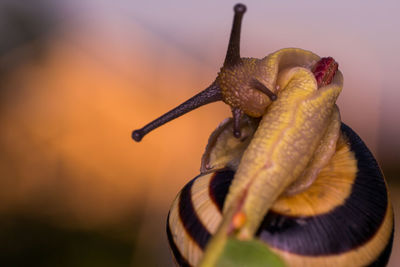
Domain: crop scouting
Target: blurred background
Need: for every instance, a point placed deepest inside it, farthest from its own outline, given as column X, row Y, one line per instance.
column 76, row 77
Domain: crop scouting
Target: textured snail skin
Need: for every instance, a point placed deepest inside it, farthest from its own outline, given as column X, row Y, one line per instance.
column 283, row 144
column 343, row 219
column 235, row 81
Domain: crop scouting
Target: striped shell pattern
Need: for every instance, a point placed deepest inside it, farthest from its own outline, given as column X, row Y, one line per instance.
column 343, row 219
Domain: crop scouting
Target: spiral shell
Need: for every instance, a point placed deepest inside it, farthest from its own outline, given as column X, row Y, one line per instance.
column 343, row 219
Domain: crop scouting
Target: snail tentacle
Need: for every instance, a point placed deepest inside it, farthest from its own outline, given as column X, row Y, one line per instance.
column 209, row 95
column 237, row 115
column 232, row 57
column 261, row 87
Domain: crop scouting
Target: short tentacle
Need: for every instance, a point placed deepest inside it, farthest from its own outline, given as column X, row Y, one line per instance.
column 261, row 87
column 237, row 115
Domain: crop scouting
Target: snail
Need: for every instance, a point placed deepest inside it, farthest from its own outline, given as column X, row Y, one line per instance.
column 284, row 169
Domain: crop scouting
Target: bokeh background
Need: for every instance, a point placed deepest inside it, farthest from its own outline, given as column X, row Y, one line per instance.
column 76, row 77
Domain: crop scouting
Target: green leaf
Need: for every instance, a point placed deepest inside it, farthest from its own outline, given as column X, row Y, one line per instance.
column 247, row 254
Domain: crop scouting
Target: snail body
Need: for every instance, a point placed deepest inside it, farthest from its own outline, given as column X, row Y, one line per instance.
column 284, row 170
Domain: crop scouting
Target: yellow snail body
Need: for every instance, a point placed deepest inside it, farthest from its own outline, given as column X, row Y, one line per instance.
column 291, row 174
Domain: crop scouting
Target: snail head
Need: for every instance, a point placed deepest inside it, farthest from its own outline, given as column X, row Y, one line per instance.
column 239, row 84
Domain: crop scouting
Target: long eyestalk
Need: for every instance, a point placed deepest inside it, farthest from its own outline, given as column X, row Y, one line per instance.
column 233, row 54
column 209, row 95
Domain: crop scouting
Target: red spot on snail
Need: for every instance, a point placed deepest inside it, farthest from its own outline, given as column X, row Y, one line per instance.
column 324, row 71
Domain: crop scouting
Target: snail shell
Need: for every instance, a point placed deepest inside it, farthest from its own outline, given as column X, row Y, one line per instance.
column 343, row 219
